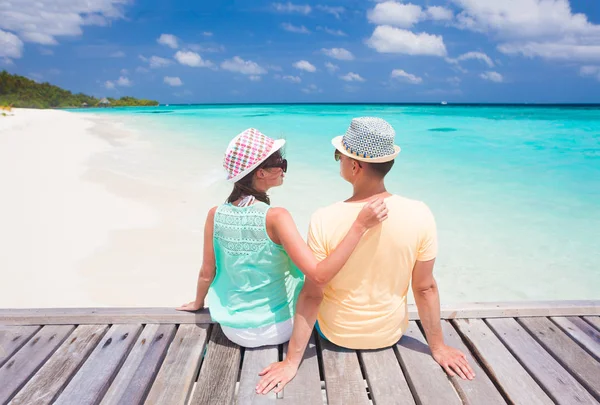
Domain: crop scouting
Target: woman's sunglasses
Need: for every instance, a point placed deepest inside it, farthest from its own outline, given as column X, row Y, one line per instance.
column 282, row 164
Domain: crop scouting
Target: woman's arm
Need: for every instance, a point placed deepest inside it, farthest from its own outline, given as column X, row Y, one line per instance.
column 322, row 272
column 207, row 271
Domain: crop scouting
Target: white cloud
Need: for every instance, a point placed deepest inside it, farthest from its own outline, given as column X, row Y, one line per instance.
column 455, row 81
column 173, row 81
column 336, row 11
column 472, row 55
column 590, row 71
column 208, row 48
column 331, row 67
column 192, row 59
column 207, row 34
column 401, row 75
column 534, row 28
column 352, row 77
column 46, row 51
column 292, row 28
column 124, row 72
column 141, row 69
column 305, row 65
column 312, row 89
column 292, row 79
column 124, row 82
column 156, row 61
column 245, row 67
column 338, row 53
column 10, row 45
column 396, row 14
column 276, row 68
column 337, row 33
column 168, row 40
column 118, row 54
column 492, row 76
column 254, row 78
column 292, row 8
column 109, row 85
column 386, row 39
column 41, row 21
column 439, row 13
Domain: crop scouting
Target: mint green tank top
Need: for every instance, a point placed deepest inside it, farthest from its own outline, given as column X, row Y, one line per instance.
column 256, row 284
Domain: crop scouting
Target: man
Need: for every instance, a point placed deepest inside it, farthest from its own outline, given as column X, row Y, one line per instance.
column 364, row 306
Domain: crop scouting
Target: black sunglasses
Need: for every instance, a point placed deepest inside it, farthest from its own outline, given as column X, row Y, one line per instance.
column 282, row 164
column 337, row 155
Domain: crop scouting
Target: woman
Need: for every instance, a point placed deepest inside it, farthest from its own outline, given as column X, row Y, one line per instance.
column 252, row 252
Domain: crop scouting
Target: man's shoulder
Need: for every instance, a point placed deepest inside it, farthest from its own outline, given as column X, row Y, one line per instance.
column 327, row 211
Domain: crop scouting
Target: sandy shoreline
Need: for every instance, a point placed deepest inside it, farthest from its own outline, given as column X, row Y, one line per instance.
column 76, row 234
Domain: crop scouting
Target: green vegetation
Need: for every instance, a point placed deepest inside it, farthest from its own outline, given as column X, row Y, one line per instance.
column 19, row 91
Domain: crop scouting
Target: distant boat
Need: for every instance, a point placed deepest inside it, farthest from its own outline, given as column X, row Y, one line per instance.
column 444, row 103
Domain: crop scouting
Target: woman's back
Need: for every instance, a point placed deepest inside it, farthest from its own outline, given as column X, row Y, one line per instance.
column 256, row 283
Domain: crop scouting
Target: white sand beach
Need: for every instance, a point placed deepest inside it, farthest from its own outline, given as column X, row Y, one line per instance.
column 76, row 234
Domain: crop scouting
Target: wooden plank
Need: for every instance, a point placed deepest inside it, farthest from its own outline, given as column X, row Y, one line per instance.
column 344, row 383
column 56, row 316
column 305, row 388
column 516, row 383
column 83, row 316
column 255, row 360
column 593, row 320
column 175, row 378
column 12, row 338
column 92, row 380
column 558, row 383
column 428, row 381
column 19, row 368
column 480, row 390
column 133, row 382
column 582, row 332
column 568, row 353
column 55, row 374
column 219, row 372
column 385, row 377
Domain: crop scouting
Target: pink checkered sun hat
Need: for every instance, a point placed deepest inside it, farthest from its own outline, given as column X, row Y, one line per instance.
column 247, row 151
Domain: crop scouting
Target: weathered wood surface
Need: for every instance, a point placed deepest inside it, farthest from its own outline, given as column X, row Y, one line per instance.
column 15, row 373
column 427, row 379
column 256, row 360
column 344, row 383
column 385, row 377
column 594, row 321
column 480, row 390
column 175, row 378
column 51, row 379
column 581, row 331
column 92, row 380
column 516, row 383
column 133, row 382
column 218, row 375
column 305, row 388
column 79, row 316
column 12, row 338
column 571, row 356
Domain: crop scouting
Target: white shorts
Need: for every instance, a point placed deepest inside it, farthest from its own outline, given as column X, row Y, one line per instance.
column 275, row 334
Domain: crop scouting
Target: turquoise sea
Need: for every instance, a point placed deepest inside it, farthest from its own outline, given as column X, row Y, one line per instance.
column 515, row 189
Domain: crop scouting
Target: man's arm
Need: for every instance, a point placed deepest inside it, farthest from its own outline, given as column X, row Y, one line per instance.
column 279, row 374
column 427, row 299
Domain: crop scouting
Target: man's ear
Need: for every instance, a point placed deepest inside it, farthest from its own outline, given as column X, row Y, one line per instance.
column 260, row 174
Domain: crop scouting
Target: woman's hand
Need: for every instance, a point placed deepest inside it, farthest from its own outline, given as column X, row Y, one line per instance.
column 373, row 213
column 191, row 306
column 276, row 376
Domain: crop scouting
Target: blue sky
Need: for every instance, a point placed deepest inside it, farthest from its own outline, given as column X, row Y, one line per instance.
column 306, row 51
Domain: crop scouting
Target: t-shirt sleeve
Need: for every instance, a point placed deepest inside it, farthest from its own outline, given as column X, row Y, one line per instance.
column 428, row 246
column 316, row 241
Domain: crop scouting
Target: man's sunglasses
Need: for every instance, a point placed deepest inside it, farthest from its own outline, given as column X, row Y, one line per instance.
column 337, row 155
column 282, row 164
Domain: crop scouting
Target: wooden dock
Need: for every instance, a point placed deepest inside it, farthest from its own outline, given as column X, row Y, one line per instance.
column 522, row 353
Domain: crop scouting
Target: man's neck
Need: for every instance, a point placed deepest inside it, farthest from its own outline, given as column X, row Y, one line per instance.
column 367, row 190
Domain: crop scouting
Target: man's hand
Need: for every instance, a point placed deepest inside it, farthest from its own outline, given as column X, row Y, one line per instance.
column 277, row 375
column 453, row 361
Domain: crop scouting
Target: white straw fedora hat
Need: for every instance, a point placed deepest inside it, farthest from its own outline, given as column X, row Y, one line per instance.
column 247, row 151
column 368, row 139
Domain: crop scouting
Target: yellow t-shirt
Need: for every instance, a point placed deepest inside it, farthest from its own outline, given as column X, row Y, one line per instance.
column 364, row 305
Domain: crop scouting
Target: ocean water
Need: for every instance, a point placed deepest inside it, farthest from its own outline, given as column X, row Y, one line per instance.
column 515, row 189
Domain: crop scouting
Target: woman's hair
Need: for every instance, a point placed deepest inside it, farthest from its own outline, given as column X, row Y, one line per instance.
column 244, row 186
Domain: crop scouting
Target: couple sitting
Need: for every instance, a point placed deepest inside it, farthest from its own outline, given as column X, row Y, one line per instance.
column 266, row 286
